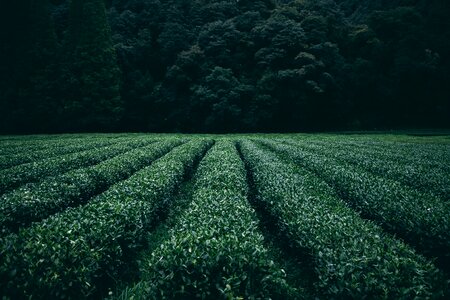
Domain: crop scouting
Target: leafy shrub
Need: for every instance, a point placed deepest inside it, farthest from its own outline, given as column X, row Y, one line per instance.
column 421, row 174
column 421, row 220
column 35, row 201
column 80, row 251
column 216, row 249
column 36, row 171
column 352, row 257
column 62, row 148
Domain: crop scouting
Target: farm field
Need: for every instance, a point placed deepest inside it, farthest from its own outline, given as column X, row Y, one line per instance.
column 172, row 216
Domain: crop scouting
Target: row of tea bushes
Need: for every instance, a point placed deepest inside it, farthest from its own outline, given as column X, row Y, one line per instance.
column 26, row 156
column 428, row 155
column 79, row 252
column 216, row 250
column 417, row 175
column 420, row 219
column 29, row 144
column 36, row 201
column 35, row 171
column 353, row 258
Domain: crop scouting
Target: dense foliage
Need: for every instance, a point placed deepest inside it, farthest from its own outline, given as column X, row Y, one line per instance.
column 285, row 216
column 223, row 66
column 352, row 257
column 216, row 250
column 35, row 201
column 79, row 250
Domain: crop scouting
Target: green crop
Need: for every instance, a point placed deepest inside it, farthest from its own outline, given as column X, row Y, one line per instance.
column 244, row 216
column 353, row 258
column 216, row 250
column 72, row 253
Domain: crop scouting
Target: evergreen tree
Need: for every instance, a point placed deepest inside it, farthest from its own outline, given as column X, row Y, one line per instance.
column 91, row 99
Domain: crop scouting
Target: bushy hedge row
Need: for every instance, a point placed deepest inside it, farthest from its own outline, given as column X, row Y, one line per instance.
column 427, row 154
column 27, row 144
column 421, row 220
column 414, row 149
column 77, row 252
column 352, row 257
column 11, row 160
column 30, row 143
column 418, row 176
column 36, row 171
column 36, row 201
column 216, row 250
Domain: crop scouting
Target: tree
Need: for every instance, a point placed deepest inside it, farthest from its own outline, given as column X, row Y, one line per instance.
column 28, row 58
column 218, row 102
column 224, row 65
column 92, row 99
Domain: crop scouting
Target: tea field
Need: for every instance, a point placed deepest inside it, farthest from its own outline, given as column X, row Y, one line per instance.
column 167, row 216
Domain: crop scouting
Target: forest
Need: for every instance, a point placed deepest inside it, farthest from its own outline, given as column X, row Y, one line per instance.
column 223, row 66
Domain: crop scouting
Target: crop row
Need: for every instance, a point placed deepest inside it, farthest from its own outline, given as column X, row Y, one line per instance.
column 216, row 250
column 416, row 175
column 80, row 251
column 36, row 201
column 36, row 171
column 428, row 155
column 7, row 161
column 418, row 218
column 352, row 257
column 29, row 145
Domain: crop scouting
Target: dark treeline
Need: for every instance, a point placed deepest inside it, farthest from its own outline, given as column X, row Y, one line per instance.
column 223, row 66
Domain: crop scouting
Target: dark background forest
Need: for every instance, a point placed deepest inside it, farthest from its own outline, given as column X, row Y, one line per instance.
column 223, row 66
